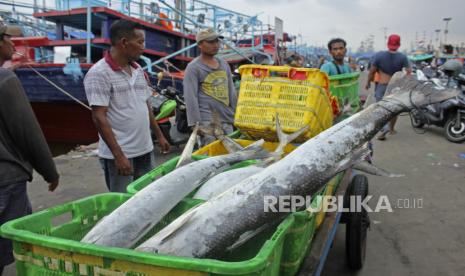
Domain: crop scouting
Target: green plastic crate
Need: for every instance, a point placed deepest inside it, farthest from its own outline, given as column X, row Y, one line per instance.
column 346, row 86
column 41, row 248
column 44, row 247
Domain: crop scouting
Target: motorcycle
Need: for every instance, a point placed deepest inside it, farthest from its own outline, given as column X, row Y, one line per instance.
column 450, row 113
column 166, row 104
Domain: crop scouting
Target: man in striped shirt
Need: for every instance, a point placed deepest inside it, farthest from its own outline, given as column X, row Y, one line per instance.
column 118, row 93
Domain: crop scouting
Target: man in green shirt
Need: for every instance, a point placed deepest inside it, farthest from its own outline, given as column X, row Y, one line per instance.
column 337, row 49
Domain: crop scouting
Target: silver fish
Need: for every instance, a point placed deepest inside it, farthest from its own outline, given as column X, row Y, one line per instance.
column 186, row 155
column 210, row 228
column 134, row 218
column 221, row 182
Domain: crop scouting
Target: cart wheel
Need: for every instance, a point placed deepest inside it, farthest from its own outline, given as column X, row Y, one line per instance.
column 357, row 224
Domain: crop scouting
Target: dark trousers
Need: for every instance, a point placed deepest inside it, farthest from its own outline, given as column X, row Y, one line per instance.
column 118, row 183
column 14, row 204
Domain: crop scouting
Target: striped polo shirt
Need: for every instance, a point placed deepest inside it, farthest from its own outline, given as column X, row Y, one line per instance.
column 126, row 97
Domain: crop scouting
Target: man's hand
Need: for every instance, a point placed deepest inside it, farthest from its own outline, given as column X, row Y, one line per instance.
column 123, row 165
column 368, row 85
column 52, row 185
column 164, row 145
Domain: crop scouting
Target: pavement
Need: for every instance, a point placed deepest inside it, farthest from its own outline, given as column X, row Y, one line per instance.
column 408, row 241
column 411, row 240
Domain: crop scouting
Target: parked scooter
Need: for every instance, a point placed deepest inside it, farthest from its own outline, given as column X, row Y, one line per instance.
column 168, row 107
column 449, row 114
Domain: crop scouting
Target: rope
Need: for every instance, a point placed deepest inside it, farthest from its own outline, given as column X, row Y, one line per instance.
column 59, row 88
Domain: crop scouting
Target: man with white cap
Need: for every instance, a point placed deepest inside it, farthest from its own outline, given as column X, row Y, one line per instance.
column 22, row 146
column 208, row 85
column 387, row 63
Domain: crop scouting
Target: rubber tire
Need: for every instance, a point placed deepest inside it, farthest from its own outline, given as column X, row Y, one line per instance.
column 357, row 224
column 416, row 123
column 448, row 129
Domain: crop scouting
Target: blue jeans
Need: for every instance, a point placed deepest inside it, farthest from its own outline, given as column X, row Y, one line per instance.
column 118, row 183
column 14, row 204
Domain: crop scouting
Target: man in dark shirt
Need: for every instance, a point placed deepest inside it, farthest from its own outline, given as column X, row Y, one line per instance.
column 387, row 63
column 22, row 146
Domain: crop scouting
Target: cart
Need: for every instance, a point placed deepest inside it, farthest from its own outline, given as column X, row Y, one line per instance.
column 299, row 244
column 357, row 224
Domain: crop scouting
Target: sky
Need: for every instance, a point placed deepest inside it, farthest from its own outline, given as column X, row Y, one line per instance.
column 354, row 20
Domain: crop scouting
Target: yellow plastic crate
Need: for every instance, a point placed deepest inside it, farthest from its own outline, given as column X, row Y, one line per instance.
column 217, row 148
column 298, row 95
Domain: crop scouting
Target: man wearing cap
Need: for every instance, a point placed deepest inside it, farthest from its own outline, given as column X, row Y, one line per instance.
column 387, row 63
column 208, row 85
column 22, row 146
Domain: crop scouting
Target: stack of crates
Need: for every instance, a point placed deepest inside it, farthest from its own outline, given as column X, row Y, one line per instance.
column 299, row 96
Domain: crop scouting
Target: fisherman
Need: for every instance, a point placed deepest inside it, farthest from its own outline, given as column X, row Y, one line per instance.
column 22, row 146
column 118, row 93
column 208, row 84
column 337, row 49
column 387, row 63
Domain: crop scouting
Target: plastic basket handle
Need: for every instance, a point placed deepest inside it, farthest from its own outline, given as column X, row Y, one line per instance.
column 295, row 74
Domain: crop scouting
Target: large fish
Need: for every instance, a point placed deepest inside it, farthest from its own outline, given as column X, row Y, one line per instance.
column 210, row 228
column 125, row 226
column 223, row 181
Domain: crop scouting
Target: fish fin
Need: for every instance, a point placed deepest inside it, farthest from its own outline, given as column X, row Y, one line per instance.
column 255, row 145
column 230, row 145
column 374, row 170
column 356, row 157
column 186, row 155
column 178, row 227
column 284, row 138
column 347, row 107
column 259, row 151
column 247, row 236
column 215, row 129
column 410, row 93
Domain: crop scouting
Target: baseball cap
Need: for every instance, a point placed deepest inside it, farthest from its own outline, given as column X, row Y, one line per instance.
column 393, row 42
column 10, row 30
column 207, row 34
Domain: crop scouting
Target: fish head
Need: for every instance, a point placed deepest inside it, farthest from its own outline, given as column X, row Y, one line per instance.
column 410, row 93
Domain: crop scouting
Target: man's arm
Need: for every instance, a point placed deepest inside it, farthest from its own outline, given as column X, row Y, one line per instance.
column 232, row 89
column 24, row 129
column 165, row 146
column 191, row 92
